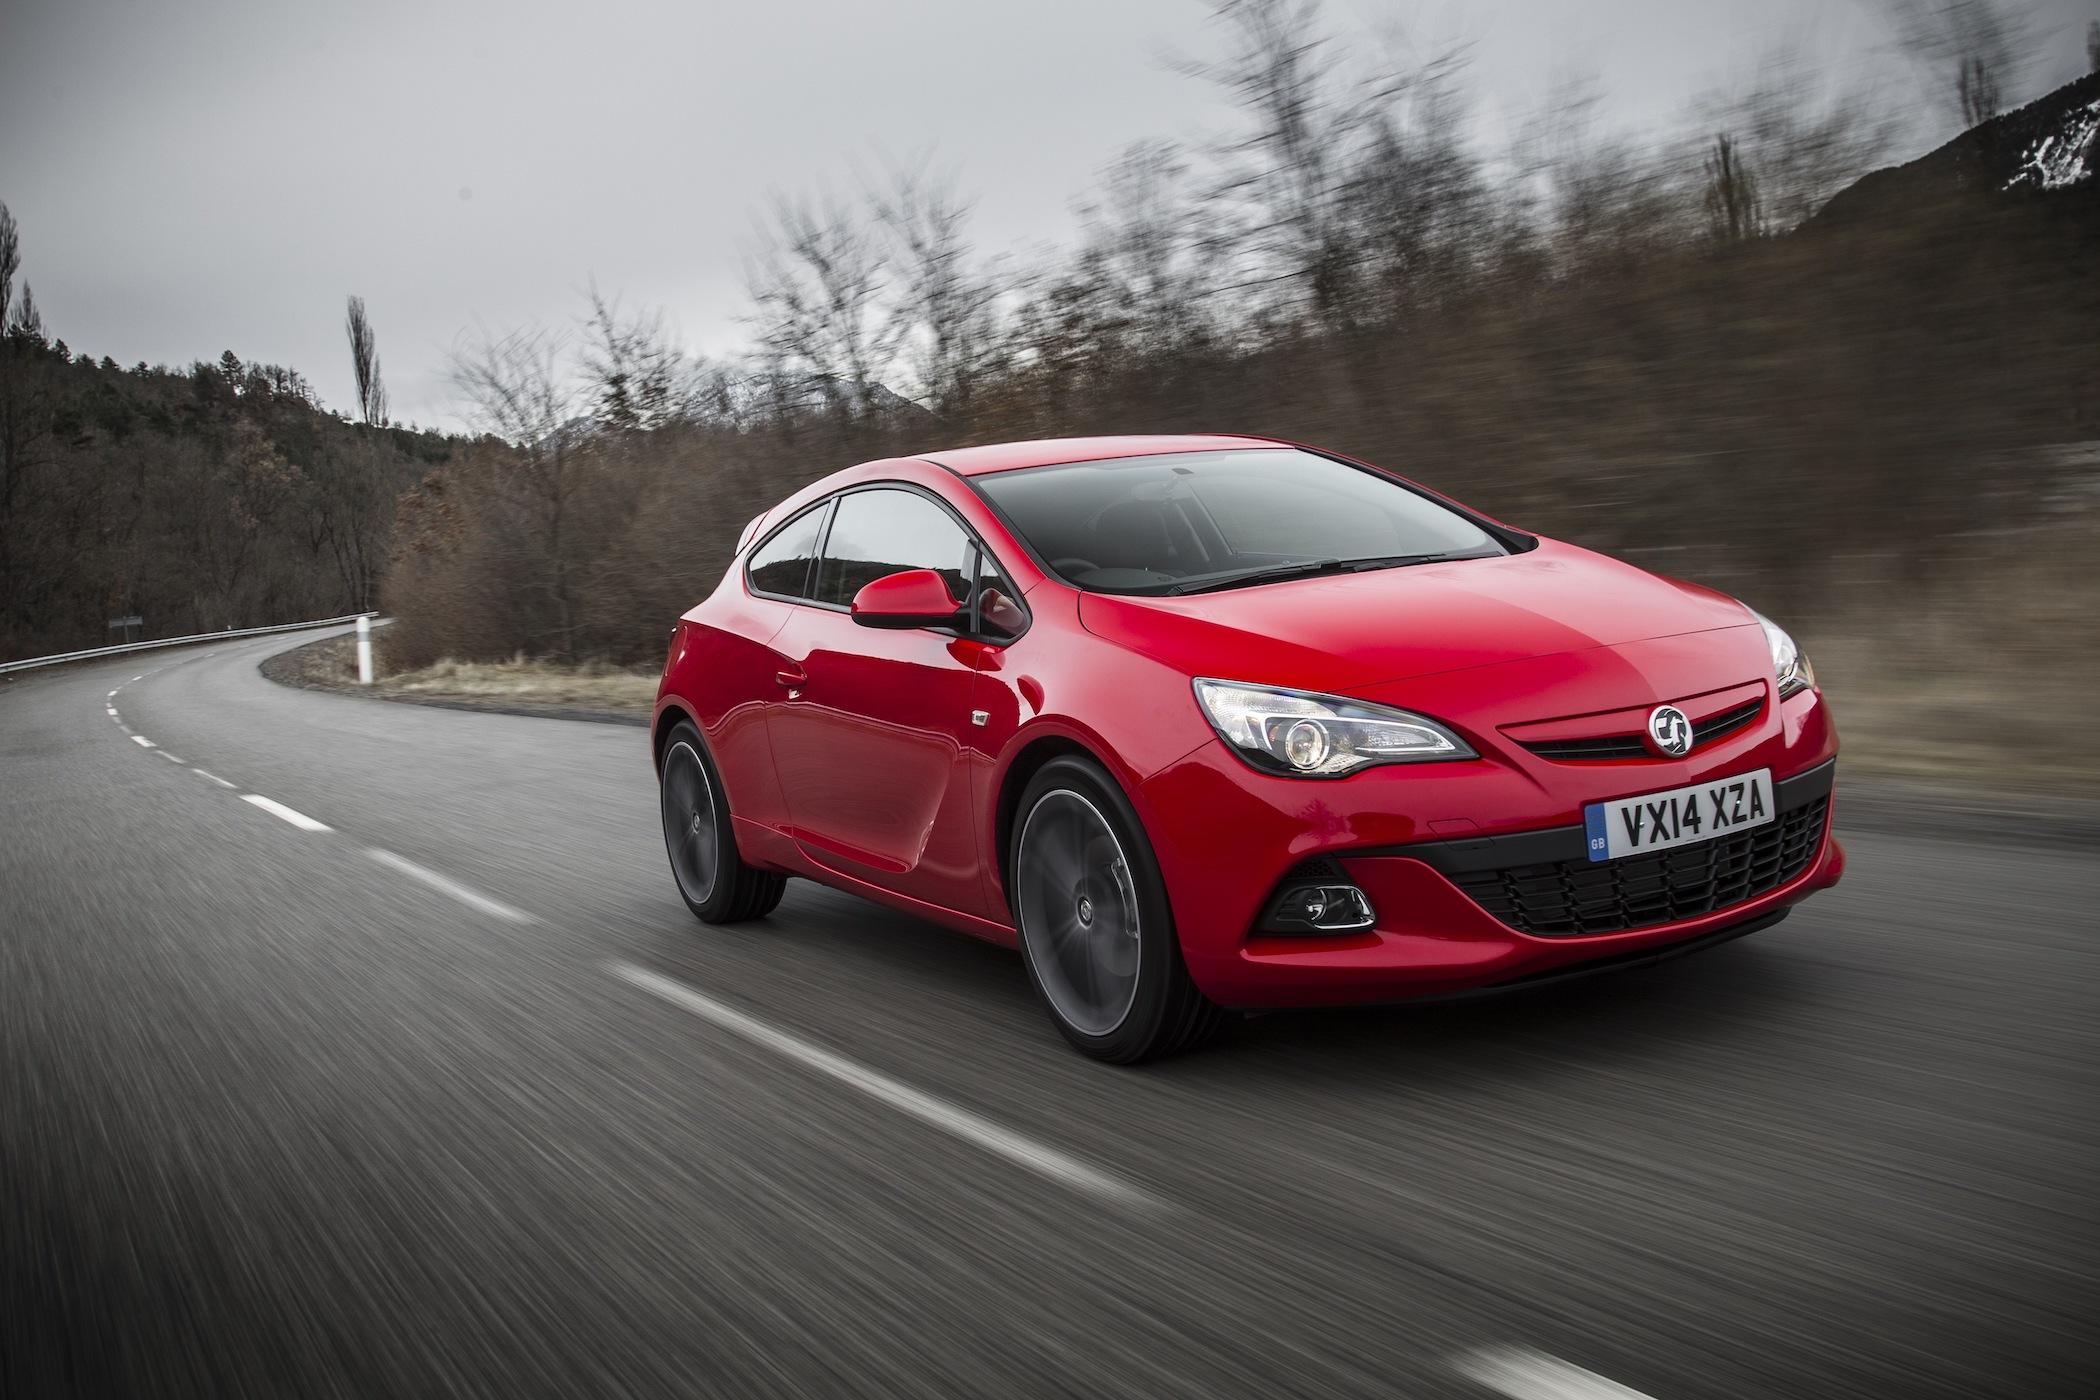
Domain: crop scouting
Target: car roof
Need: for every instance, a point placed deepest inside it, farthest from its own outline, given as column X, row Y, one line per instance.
column 1044, row 452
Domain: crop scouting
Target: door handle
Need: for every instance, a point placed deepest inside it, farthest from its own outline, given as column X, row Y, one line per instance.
column 791, row 679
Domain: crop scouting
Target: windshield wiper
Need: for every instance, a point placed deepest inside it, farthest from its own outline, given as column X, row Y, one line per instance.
column 1401, row 561
column 1270, row 573
column 1311, row 568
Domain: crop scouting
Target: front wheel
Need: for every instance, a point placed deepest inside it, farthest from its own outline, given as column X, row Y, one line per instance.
column 712, row 877
column 1096, row 931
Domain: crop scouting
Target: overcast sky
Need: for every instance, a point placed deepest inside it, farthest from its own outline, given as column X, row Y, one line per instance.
column 197, row 175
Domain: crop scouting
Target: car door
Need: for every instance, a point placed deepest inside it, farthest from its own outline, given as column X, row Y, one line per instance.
column 871, row 733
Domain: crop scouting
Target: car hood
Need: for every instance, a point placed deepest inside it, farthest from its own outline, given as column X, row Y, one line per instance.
column 1350, row 631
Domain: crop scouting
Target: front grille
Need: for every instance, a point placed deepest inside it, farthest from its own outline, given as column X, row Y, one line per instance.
column 1610, row 746
column 1568, row 898
column 1591, row 750
column 1722, row 725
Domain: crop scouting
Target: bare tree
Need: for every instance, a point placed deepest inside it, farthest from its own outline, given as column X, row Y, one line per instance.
column 1419, row 202
column 1801, row 138
column 1290, row 170
column 519, row 391
column 638, row 380
column 1975, row 50
column 364, row 361
column 1597, row 199
column 1732, row 209
column 1150, row 247
column 944, row 301
column 826, row 329
column 10, row 261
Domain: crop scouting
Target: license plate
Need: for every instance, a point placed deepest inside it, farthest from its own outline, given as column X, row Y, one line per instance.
column 1656, row 821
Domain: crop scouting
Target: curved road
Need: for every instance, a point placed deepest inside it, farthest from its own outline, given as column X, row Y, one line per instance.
column 452, row 1096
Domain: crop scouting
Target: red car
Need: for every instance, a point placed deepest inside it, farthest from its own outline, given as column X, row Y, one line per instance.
column 1216, row 722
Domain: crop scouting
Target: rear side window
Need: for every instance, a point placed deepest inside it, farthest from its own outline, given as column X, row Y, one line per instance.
column 781, row 565
column 876, row 533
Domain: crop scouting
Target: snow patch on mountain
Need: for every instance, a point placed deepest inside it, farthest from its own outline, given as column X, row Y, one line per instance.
column 2064, row 156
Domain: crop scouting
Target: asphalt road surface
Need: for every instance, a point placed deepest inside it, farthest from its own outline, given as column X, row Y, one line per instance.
column 423, row 1081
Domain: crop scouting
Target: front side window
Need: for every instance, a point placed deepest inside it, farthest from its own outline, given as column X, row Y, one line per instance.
column 1195, row 521
column 781, row 565
column 881, row 532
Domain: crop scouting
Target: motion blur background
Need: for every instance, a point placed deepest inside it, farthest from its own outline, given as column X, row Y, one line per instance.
column 351, row 1048
column 1798, row 301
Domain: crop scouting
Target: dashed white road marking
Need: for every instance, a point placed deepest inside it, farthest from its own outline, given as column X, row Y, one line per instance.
column 1523, row 1374
column 136, row 678
column 112, row 709
column 211, row 777
column 113, row 694
column 444, row 884
column 169, row 757
column 143, row 742
column 1046, row 1161
column 278, row 809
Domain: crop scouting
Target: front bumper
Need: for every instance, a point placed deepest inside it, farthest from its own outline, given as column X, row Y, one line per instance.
column 1464, row 901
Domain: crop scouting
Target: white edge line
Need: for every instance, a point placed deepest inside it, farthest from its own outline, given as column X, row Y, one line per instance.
column 1523, row 1374
column 143, row 742
column 213, row 777
column 444, row 884
column 960, row 1122
column 278, row 809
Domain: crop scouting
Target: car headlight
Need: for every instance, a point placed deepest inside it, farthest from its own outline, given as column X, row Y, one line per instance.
column 1320, row 736
column 1789, row 664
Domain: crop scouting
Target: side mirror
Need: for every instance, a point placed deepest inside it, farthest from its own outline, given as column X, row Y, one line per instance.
column 912, row 598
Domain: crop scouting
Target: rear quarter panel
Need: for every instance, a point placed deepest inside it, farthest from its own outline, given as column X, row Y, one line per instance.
column 720, row 671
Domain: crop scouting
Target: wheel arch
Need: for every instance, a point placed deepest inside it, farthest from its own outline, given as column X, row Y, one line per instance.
column 1029, row 760
column 667, row 718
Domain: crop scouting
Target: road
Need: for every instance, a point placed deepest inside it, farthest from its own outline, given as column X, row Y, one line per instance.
column 452, row 1096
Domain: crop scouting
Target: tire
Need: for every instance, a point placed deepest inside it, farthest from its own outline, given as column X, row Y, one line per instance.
column 1097, row 934
column 711, row 876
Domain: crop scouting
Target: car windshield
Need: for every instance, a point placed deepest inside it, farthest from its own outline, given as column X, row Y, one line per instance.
column 1199, row 521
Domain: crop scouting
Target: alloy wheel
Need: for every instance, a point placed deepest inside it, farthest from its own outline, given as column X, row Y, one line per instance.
column 689, row 821
column 1076, row 901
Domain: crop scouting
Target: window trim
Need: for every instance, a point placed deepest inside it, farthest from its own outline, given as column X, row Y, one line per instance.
column 816, row 553
column 829, row 505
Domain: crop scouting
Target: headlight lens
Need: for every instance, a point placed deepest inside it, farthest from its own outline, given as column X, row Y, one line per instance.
column 1789, row 663
column 1320, row 736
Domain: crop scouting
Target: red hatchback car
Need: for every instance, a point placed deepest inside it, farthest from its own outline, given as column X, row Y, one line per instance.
column 1220, row 722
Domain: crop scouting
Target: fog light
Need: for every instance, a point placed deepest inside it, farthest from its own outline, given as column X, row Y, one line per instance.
column 1319, row 909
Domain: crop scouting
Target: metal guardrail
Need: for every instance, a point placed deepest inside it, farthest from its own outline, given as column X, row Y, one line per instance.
column 121, row 648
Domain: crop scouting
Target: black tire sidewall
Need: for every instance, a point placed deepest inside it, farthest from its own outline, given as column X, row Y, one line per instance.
column 1160, row 970
column 721, row 896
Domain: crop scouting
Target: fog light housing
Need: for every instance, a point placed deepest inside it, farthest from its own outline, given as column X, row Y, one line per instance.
column 1330, row 907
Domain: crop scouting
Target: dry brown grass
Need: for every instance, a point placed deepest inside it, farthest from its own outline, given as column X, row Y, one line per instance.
column 1988, row 680
column 525, row 681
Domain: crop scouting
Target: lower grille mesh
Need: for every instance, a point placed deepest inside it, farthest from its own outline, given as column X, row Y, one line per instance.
column 1572, row 897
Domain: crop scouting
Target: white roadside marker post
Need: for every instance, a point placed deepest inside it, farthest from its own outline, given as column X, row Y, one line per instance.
column 364, row 651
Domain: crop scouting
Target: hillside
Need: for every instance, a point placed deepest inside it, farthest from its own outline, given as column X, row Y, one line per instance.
column 2049, row 148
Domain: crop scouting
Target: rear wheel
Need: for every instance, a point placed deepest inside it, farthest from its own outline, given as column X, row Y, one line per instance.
column 713, row 879
column 1096, row 932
